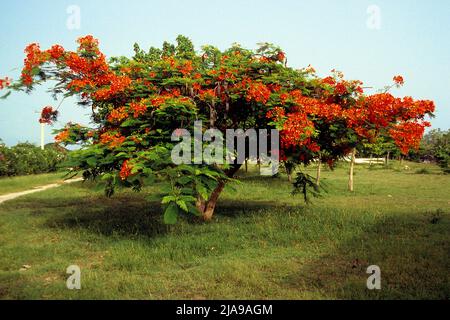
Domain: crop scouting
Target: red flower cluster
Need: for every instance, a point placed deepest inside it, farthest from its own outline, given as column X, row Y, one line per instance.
column 316, row 107
column 34, row 58
column 56, row 52
column 5, row 83
column 48, row 115
column 297, row 130
column 276, row 114
column 88, row 44
column 138, row 109
column 207, row 95
column 63, row 136
column 258, row 92
column 340, row 89
column 118, row 115
column 88, row 67
column 125, row 171
column 408, row 135
column 399, row 80
column 381, row 111
column 186, row 68
column 329, row 81
column 112, row 139
column 281, row 56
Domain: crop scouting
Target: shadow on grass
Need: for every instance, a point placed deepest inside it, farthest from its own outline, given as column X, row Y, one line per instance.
column 122, row 215
column 131, row 215
column 412, row 252
column 232, row 208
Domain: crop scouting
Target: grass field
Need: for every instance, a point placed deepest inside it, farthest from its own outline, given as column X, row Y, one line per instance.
column 16, row 184
column 262, row 244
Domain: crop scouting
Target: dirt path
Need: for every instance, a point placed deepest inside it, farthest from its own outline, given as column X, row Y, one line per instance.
column 11, row 196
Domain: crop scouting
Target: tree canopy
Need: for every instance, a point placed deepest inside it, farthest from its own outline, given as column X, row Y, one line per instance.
column 138, row 104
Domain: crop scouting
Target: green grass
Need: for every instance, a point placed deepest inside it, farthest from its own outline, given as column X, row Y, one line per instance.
column 262, row 244
column 22, row 183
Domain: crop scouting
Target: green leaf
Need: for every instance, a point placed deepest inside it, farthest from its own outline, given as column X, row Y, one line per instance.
column 92, row 162
column 184, row 180
column 122, row 155
column 193, row 209
column 128, row 123
column 182, row 205
column 188, row 198
column 5, row 95
column 171, row 214
column 202, row 190
column 107, row 176
column 168, row 199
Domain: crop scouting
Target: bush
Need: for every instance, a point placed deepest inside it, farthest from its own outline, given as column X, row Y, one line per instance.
column 26, row 158
column 436, row 147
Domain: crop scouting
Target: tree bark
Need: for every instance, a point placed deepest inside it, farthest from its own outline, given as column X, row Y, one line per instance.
column 290, row 168
column 352, row 167
column 319, row 167
column 207, row 207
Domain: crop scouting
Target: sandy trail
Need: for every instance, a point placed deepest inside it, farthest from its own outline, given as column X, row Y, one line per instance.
column 11, row 196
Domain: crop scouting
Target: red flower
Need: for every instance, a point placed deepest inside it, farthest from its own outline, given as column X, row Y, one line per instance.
column 56, row 52
column 207, row 95
column 281, row 56
column 138, row 109
column 399, row 80
column 5, row 83
column 329, row 80
column 258, row 92
column 118, row 115
column 63, row 136
column 276, row 114
column 48, row 115
column 186, row 68
column 111, row 139
column 408, row 135
column 125, row 171
column 340, row 89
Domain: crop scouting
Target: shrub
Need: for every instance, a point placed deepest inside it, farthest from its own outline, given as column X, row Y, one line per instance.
column 26, row 158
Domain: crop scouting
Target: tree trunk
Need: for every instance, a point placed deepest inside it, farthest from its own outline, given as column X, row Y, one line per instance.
column 371, row 159
column 290, row 168
column 319, row 166
column 352, row 167
column 246, row 165
column 207, row 208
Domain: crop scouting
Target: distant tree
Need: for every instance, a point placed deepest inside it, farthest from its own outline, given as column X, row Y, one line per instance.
column 435, row 146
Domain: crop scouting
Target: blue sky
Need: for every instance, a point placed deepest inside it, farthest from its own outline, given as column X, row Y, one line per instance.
column 413, row 41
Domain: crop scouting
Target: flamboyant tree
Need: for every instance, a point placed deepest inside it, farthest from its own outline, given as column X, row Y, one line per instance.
column 139, row 103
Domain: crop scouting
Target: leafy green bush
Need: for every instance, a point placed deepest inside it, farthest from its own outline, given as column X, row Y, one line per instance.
column 436, row 147
column 26, row 158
